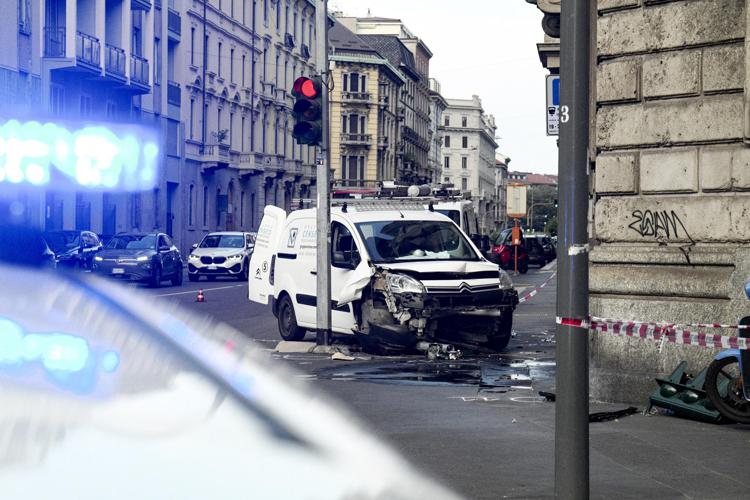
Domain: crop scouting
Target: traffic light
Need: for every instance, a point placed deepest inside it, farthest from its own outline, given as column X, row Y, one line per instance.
column 308, row 110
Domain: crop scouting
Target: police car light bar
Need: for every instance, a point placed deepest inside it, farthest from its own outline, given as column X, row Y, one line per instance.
column 70, row 157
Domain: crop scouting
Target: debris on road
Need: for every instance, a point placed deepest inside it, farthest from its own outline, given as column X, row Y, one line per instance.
column 340, row 356
column 438, row 351
column 683, row 394
column 549, row 396
column 606, row 416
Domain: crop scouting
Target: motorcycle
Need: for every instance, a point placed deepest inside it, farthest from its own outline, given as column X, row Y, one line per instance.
column 728, row 378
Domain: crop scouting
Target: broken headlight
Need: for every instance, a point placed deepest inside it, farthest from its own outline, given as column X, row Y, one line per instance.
column 401, row 283
column 505, row 281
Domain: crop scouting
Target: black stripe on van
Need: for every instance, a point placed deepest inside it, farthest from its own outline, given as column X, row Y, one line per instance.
column 311, row 300
column 289, row 256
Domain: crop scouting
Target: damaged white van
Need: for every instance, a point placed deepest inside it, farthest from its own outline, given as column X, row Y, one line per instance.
column 399, row 276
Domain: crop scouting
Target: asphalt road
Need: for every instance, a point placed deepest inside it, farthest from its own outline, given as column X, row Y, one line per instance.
column 478, row 425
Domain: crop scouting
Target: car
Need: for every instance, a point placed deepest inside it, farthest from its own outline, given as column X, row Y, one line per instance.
column 73, row 249
column 103, row 378
column 505, row 254
column 221, row 254
column 398, row 277
column 150, row 258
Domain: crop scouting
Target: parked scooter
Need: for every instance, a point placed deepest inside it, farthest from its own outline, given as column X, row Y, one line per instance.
column 728, row 378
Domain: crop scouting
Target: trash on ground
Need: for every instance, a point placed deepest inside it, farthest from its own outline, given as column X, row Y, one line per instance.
column 438, row 351
column 606, row 416
column 340, row 356
column 684, row 394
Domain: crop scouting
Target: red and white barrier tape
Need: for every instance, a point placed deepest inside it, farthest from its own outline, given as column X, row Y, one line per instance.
column 536, row 290
column 660, row 333
column 657, row 323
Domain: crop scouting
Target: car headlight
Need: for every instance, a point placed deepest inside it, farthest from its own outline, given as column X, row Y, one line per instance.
column 98, row 259
column 401, row 283
column 235, row 257
column 142, row 258
column 505, row 281
column 193, row 257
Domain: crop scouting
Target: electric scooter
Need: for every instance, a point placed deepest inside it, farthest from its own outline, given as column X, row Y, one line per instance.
column 728, row 378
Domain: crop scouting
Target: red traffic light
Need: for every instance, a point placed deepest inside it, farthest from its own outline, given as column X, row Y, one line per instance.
column 305, row 87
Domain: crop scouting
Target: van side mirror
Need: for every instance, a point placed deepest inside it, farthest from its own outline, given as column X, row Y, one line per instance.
column 345, row 260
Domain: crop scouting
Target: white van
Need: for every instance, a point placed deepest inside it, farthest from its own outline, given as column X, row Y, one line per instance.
column 398, row 276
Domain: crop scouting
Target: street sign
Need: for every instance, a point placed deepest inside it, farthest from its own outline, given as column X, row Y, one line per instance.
column 516, row 196
column 553, row 104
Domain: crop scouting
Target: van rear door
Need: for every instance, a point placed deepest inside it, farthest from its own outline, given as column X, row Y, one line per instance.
column 260, row 287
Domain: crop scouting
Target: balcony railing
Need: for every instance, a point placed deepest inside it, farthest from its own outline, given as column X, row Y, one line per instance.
column 356, row 96
column 173, row 93
column 173, row 21
column 114, row 60
column 356, row 138
column 138, row 69
column 54, row 41
column 87, row 49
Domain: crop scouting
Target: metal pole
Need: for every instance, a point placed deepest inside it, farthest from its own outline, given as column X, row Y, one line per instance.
column 572, row 404
column 323, row 304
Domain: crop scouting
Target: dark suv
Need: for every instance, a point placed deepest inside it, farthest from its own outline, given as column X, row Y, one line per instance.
column 150, row 258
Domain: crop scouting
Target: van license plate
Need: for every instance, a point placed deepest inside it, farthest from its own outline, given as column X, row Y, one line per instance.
column 118, row 270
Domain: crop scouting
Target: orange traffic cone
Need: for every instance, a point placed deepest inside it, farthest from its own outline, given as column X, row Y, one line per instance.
column 200, row 297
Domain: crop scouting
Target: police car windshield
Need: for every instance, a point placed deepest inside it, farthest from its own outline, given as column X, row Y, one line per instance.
column 453, row 215
column 409, row 240
column 132, row 242
column 222, row 241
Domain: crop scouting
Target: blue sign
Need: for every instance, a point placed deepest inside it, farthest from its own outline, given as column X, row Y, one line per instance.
column 556, row 91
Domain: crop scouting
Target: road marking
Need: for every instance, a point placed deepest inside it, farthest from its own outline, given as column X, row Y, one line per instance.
column 196, row 291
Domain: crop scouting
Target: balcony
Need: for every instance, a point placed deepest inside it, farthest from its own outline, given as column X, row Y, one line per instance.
column 305, row 51
column 356, row 139
column 54, row 41
column 356, row 97
column 174, row 95
column 140, row 5
column 87, row 50
column 139, row 71
column 289, row 40
column 114, row 61
column 174, row 24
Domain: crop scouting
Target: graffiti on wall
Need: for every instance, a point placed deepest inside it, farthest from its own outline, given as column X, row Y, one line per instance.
column 659, row 224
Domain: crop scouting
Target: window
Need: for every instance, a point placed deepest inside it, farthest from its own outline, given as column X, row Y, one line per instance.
column 135, row 210
column 464, row 162
column 24, row 16
column 276, row 71
column 242, row 134
column 464, row 142
column 231, row 128
column 463, row 121
column 278, row 16
column 286, row 19
column 191, row 202
column 265, row 58
column 252, row 209
column 464, row 184
column 85, row 106
column 57, row 100
column 294, row 26
column 447, row 141
column 231, row 64
column 265, row 12
column 231, row 7
column 446, row 179
column 242, row 210
column 243, row 70
column 353, row 170
column 192, row 46
column 343, row 247
column 205, row 205
column 219, row 59
column 157, row 61
column 446, row 162
column 218, row 121
column 191, row 125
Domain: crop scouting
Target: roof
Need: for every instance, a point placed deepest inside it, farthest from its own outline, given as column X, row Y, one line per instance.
column 393, row 49
column 343, row 39
column 535, row 179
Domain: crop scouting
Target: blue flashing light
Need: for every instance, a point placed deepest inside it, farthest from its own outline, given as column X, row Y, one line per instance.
column 112, row 157
column 110, row 361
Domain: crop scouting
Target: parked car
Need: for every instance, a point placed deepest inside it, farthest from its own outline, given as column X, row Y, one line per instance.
column 540, row 249
column 221, row 254
column 150, row 258
column 503, row 254
column 73, row 249
column 398, row 277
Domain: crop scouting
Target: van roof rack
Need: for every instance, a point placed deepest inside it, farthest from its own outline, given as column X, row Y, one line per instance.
column 376, row 204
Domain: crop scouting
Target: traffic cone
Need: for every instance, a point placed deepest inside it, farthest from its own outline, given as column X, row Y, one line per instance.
column 200, row 297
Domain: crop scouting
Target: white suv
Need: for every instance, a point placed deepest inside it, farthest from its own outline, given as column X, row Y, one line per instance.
column 221, row 254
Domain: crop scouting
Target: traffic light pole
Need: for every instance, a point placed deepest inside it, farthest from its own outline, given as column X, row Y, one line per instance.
column 572, row 402
column 323, row 186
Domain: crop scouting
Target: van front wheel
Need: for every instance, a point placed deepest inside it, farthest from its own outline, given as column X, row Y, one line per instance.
column 288, row 327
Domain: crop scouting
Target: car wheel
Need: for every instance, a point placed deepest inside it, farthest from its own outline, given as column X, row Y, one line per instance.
column 288, row 327
column 177, row 279
column 502, row 334
column 523, row 267
column 156, row 277
column 193, row 277
column 243, row 276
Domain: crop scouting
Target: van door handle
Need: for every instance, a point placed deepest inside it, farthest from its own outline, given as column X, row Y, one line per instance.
column 314, row 273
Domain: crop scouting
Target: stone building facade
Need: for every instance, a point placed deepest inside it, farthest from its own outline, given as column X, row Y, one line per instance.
column 364, row 112
column 468, row 155
column 438, row 105
column 670, row 179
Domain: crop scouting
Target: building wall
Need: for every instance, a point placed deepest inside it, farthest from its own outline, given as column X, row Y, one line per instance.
column 670, row 180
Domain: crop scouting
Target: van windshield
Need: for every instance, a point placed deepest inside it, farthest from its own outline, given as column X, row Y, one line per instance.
column 408, row 240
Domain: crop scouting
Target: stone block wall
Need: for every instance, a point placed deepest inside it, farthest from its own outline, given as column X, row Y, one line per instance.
column 670, row 181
